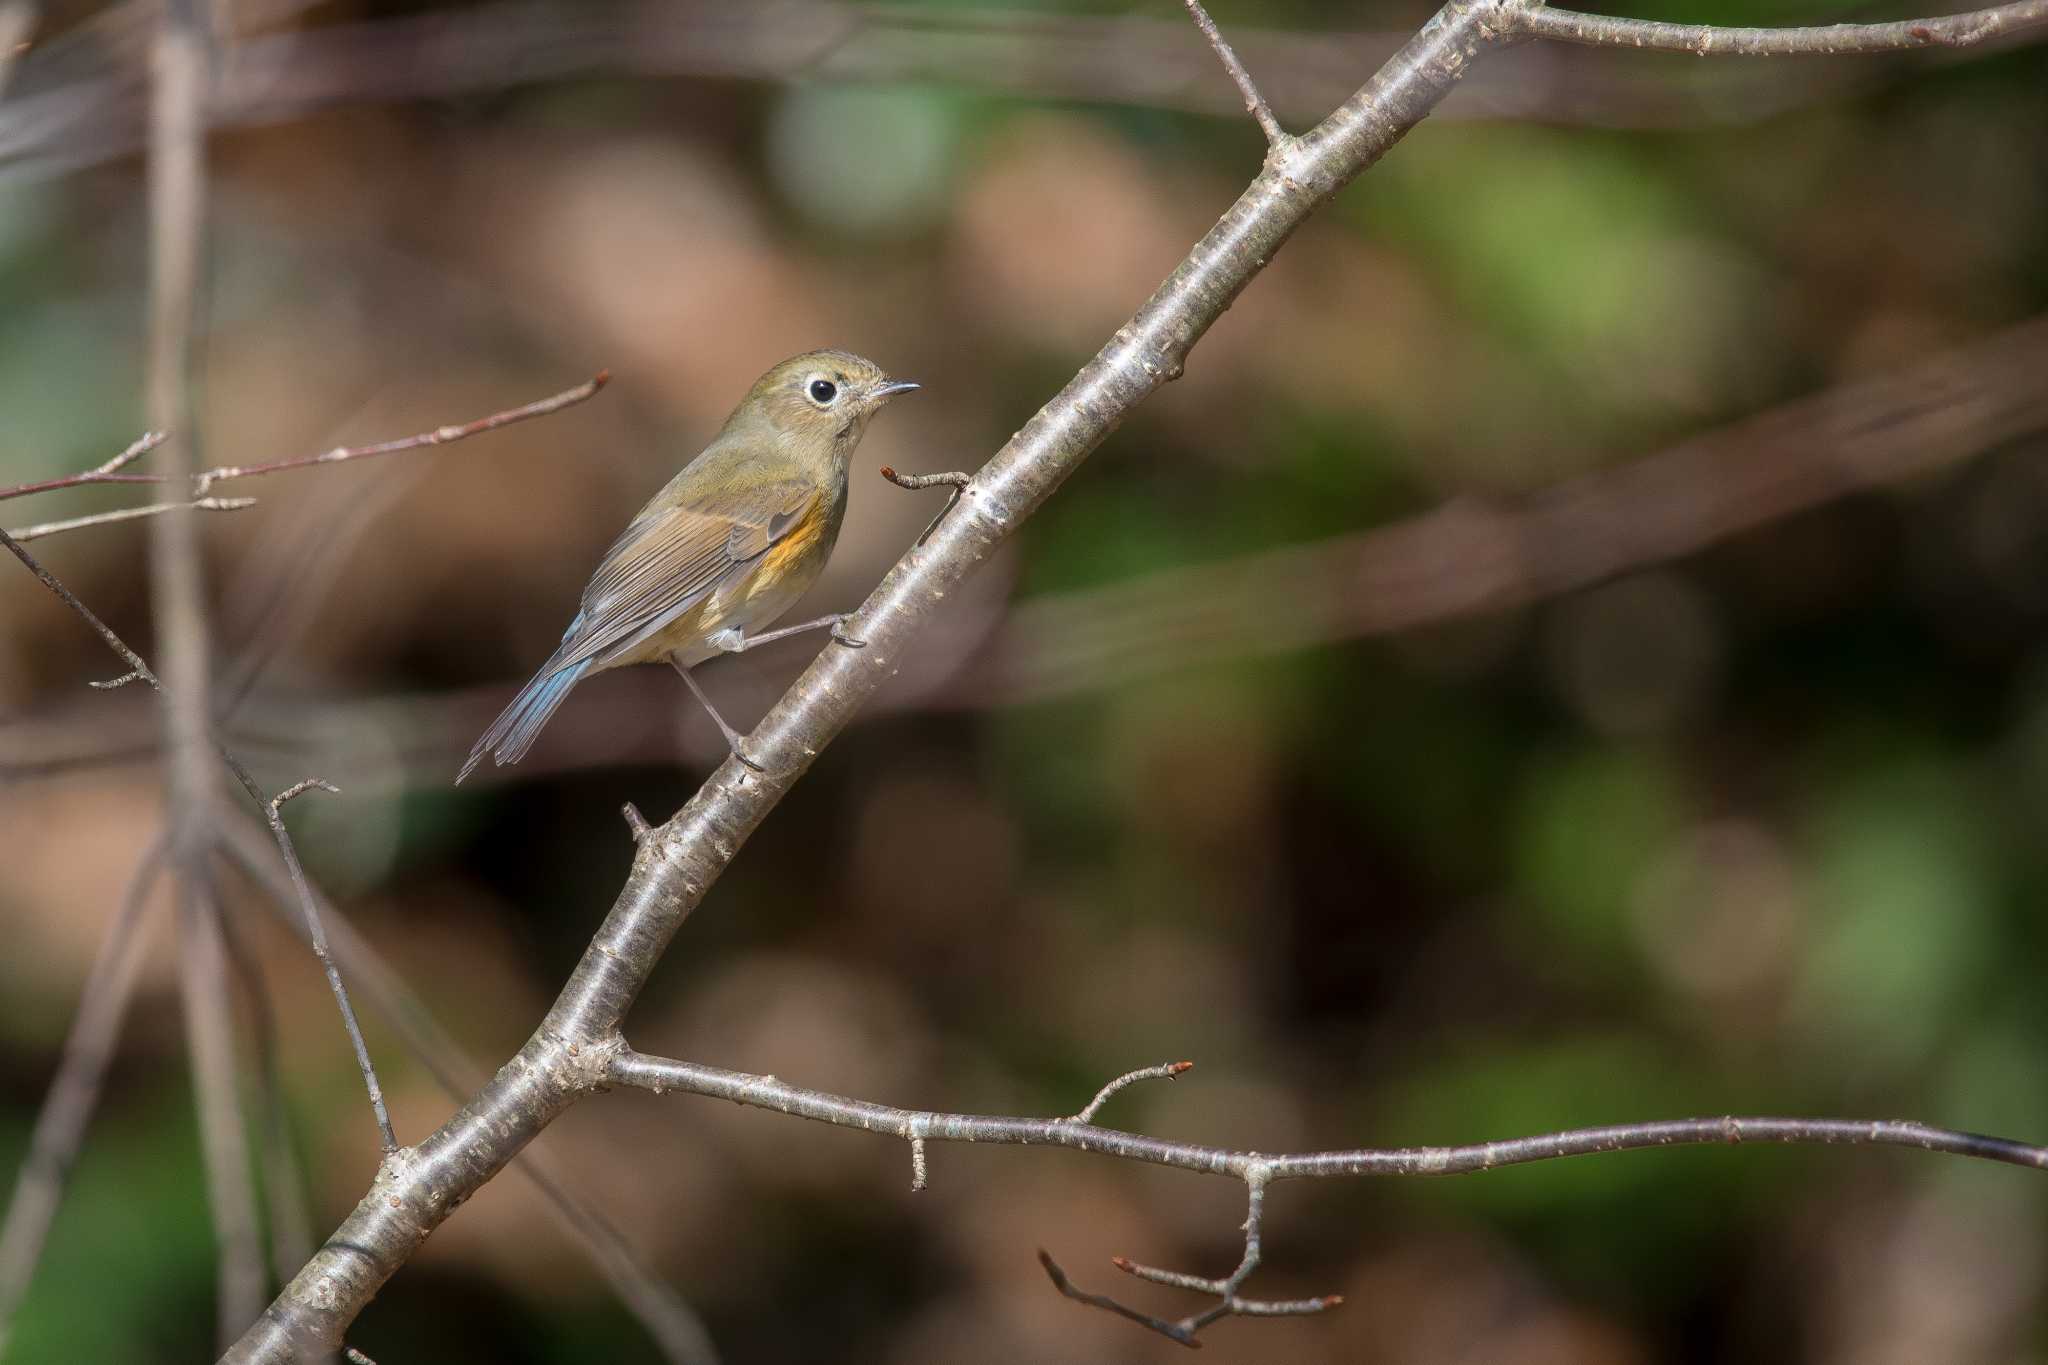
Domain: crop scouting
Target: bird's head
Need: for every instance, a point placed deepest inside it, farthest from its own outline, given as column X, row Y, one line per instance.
column 824, row 397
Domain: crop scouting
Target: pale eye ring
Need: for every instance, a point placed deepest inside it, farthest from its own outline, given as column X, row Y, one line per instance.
column 822, row 391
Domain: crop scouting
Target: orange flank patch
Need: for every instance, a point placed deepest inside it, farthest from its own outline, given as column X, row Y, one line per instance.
column 796, row 553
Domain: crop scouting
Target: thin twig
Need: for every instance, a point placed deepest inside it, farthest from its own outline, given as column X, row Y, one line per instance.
column 107, row 472
column 75, row 1090
column 1171, row 1330
column 1229, row 1302
column 961, row 484
column 1705, row 40
column 205, row 479
column 1254, row 103
column 316, row 936
column 439, row 436
column 1165, row 1071
column 51, row 528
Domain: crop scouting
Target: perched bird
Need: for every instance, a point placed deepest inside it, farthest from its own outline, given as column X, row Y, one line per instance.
column 729, row 545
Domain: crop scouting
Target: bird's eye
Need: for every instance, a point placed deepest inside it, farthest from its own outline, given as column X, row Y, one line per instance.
column 823, row 391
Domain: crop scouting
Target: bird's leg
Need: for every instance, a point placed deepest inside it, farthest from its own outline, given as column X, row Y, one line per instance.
column 733, row 739
column 735, row 641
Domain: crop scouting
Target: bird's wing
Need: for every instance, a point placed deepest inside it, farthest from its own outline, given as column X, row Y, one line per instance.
column 667, row 560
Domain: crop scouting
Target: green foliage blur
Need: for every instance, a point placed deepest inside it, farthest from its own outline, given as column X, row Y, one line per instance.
column 1753, row 830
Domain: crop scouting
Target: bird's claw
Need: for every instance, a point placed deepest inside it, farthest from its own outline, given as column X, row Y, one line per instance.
column 739, row 752
column 839, row 634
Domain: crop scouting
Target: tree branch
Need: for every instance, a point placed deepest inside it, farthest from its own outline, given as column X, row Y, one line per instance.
column 1254, row 102
column 1705, row 40
column 1258, row 1169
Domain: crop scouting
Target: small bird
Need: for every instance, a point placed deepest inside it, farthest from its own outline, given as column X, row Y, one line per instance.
column 728, row 546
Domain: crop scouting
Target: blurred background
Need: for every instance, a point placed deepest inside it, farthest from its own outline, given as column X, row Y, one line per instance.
column 1448, row 713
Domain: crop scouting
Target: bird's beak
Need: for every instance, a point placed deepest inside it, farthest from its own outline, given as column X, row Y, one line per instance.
column 889, row 388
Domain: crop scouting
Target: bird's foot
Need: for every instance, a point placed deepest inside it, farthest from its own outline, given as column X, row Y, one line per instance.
column 839, row 633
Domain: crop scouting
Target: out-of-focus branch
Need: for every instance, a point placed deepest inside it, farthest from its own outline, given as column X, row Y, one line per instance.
column 1706, row 40
column 1260, row 1169
column 417, row 1188
column 180, row 65
column 216, row 1086
column 75, row 1090
column 1469, row 557
column 291, row 1222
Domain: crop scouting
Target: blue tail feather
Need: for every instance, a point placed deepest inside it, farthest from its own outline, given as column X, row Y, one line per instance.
column 515, row 729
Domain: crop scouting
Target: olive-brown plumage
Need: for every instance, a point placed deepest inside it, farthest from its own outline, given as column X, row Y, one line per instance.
column 729, row 545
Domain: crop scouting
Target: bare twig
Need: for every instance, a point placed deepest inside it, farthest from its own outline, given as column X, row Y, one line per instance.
column 1705, row 40
column 300, row 788
column 1254, row 103
column 1067, row 1287
column 75, row 1090
column 1165, row 1071
column 439, row 436
column 51, row 528
column 1258, row 1170
column 1225, row 1290
column 108, row 472
column 961, row 483
column 203, row 480
column 316, row 936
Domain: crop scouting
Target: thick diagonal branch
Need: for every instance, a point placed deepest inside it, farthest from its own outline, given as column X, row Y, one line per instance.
column 1707, row 40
